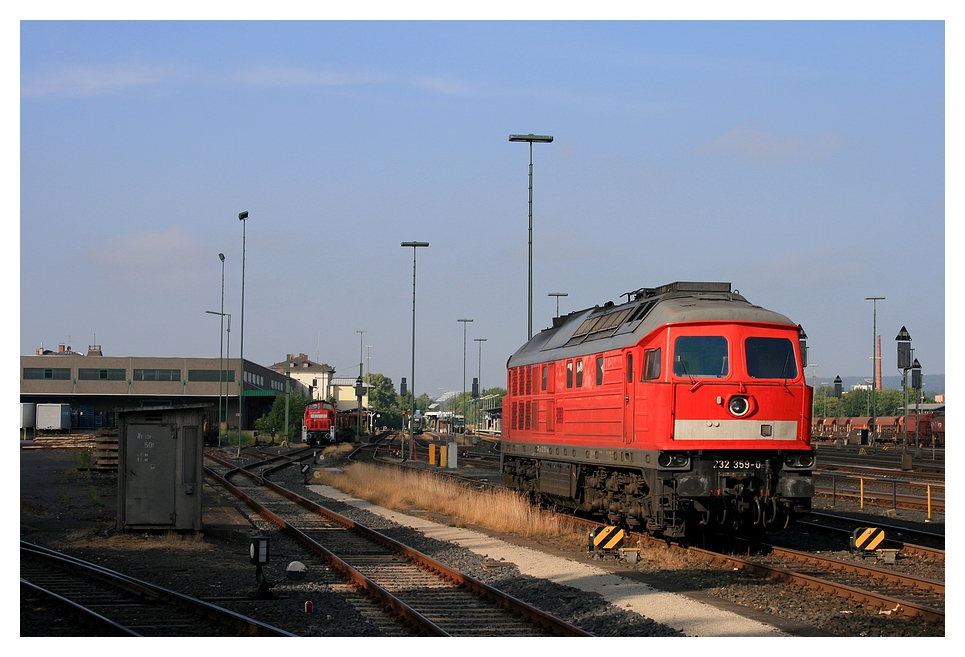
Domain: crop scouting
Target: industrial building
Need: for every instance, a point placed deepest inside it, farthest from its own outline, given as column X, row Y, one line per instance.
column 96, row 386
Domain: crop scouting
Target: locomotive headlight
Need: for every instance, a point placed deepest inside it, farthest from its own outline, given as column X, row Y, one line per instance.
column 673, row 460
column 738, row 406
column 799, row 460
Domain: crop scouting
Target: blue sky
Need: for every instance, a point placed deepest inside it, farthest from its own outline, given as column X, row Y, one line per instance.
column 802, row 161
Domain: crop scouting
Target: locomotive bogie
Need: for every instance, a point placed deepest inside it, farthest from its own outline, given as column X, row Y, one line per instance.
column 726, row 488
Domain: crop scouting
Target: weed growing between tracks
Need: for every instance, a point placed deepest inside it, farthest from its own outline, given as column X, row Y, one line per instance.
column 502, row 511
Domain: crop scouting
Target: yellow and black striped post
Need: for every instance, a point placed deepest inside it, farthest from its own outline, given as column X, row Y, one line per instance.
column 607, row 538
column 867, row 539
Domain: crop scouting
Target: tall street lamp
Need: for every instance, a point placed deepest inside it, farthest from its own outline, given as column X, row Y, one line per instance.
column 465, row 324
column 557, row 295
column 478, row 381
column 874, row 365
column 530, row 139
column 414, row 246
column 243, row 217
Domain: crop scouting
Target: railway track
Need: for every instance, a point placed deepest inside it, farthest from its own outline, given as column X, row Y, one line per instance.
column 114, row 604
column 927, row 544
column 892, row 593
column 865, row 586
column 917, row 596
column 889, row 591
column 426, row 594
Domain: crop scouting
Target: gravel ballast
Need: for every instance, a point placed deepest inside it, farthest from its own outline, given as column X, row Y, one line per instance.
column 74, row 512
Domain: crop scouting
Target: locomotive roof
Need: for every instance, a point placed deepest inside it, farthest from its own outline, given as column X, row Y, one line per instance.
column 613, row 326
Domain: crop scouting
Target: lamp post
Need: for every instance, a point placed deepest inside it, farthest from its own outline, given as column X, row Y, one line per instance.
column 243, row 217
column 479, row 387
column 414, row 246
column 465, row 324
column 557, row 295
column 904, row 364
column 228, row 357
column 221, row 381
column 874, row 365
column 220, row 362
column 530, row 139
column 288, row 390
column 360, row 388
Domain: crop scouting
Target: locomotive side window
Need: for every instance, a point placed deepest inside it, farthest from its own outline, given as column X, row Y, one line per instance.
column 651, row 365
column 770, row 358
column 579, row 373
column 599, row 370
column 569, row 374
column 543, row 382
column 700, row 355
column 629, row 368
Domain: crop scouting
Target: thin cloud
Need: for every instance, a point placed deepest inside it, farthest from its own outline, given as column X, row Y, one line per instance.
column 82, row 81
column 757, row 146
column 273, row 76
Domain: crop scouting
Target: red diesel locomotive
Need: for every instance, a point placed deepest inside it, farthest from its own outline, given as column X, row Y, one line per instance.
column 683, row 409
column 320, row 423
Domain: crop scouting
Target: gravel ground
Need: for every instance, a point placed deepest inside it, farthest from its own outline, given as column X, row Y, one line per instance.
column 73, row 510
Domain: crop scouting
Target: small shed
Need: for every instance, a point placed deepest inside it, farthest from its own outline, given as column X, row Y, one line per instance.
column 159, row 474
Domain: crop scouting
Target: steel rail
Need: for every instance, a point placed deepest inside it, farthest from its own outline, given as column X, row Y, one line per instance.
column 150, row 593
column 910, row 548
column 537, row 616
column 353, row 576
column 841, row 590
column 919, row 583
column 881, row 601
column 81, row 610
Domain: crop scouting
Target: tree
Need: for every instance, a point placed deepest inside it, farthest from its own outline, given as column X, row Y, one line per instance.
column 382, row 395
column 857, row 403
column 422, row 402
column 276, row 416
column 384, row 400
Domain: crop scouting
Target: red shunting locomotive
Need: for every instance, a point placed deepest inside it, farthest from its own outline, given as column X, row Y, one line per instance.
column 684, row 409
column 319, row 421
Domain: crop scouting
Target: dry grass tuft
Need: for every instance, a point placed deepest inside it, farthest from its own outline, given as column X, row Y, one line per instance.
column 337, row 450
column 503, row 511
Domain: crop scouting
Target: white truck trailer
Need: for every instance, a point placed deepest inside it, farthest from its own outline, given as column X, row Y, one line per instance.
column 53, row 417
